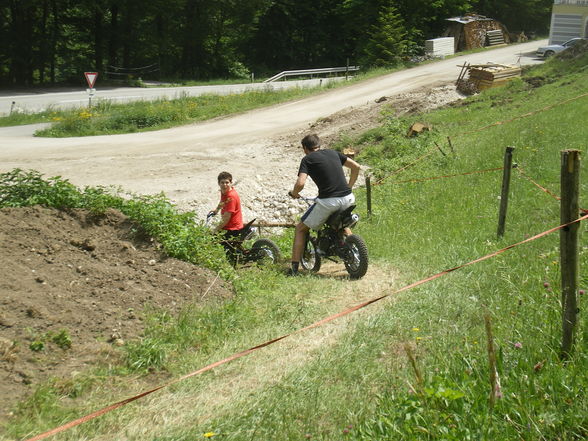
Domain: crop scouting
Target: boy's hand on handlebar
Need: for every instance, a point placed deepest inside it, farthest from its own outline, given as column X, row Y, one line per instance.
column 211, row 213
column 292, row 195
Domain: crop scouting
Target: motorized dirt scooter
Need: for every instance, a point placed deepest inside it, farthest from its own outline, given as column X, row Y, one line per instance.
column 238, row 250
column 331, row 242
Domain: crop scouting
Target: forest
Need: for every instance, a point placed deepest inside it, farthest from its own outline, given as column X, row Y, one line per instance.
column 45, row 42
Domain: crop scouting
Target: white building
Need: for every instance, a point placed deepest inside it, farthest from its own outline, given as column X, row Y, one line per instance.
column 569, row 19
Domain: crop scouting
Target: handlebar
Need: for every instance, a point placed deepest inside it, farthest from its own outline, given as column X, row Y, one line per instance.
column 309, row 201
column 209, row 216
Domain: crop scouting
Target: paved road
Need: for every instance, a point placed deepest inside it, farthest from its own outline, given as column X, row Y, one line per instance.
column 183, row 162
column 36, row 102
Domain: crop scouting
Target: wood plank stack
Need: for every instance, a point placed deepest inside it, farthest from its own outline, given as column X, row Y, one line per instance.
column 440, row 47
column 495, row 37
column 485, row 76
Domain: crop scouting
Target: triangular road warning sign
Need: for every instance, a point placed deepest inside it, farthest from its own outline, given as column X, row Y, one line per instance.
column 91, row 78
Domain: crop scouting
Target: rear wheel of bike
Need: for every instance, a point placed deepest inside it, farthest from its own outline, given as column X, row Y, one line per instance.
column 356, row 256
column 265, row 251
column 311, row 260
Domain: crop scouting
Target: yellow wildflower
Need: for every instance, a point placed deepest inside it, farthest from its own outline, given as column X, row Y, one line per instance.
column 209, row 434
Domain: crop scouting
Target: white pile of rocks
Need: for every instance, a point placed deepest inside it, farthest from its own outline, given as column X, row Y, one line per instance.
column 275, row 208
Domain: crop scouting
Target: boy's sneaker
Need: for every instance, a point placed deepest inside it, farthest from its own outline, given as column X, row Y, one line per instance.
column 292, row 272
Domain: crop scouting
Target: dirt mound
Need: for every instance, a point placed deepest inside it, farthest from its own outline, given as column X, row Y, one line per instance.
column 76, row 285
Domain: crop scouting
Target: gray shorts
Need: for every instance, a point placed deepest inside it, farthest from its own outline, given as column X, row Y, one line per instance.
column 320, row 211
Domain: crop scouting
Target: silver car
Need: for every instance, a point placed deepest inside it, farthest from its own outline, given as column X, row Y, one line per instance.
column 548, row 51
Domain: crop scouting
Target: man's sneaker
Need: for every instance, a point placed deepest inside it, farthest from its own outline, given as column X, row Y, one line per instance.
column 293, row 273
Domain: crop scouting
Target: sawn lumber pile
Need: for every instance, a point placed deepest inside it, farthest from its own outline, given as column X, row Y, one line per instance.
column 485, row 76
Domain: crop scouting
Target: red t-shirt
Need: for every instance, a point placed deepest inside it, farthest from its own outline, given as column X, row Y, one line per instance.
column 232, row 204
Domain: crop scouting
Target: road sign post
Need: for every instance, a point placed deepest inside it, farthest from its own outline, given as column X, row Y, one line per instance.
column 91, row 80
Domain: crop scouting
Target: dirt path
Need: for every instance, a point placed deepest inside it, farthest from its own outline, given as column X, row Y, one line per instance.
column 260, row 148
column 201, row 399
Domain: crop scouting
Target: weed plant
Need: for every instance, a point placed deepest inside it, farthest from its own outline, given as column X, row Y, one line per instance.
column 360, row 384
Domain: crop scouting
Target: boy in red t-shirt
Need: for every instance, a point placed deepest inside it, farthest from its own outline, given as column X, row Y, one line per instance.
column 230, row 207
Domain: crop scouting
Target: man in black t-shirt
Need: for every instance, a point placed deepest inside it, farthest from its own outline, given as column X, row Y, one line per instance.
column 325, row 169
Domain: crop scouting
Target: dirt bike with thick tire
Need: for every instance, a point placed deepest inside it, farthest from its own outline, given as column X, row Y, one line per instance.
column 262, row 251
column 330, row 242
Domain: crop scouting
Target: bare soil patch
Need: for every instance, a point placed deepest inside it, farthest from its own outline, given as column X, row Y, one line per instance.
column 89, row 277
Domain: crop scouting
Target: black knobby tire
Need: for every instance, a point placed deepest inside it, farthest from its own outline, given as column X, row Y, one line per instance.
column 311, row 260
column 266, row 251
column 356, row 256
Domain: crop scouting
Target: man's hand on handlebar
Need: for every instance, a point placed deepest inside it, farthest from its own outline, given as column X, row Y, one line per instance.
column 293, row 196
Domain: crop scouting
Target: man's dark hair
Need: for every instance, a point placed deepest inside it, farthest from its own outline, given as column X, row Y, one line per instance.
column 225, row 175
column 311, row 142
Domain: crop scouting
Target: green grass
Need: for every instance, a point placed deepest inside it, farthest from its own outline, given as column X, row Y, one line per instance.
column 106, row 118
column 360, row 384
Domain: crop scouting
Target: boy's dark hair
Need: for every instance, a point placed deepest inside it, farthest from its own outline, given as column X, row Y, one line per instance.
column 311, row 142
column 225, row 175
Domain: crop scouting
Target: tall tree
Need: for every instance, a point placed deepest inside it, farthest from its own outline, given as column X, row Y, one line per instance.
column 388, row 43
column 518, row 15
column 296, row 34
column 56, row 40
column 428, row 17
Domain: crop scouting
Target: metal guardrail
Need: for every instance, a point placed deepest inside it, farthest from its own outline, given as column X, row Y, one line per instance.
column 291, row 73
column 132, row 71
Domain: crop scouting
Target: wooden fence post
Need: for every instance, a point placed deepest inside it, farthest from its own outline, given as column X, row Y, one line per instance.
column 368, row 187
column 505, row 188
column 568, row 237
column 450, row 145
column 495, row 390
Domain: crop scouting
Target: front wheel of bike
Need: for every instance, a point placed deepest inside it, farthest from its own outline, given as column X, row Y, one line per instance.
column 311, row 260
column 355, row 256
column 265, row 251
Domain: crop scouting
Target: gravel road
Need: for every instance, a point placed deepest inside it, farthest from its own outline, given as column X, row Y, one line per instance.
column 259, row 147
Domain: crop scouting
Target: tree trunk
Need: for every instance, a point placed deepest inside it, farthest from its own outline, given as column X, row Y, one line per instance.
column 44, row 42
column 128, row 35
column 113, row 40
column 21, row 29
column 54, row 37
column 98, row 57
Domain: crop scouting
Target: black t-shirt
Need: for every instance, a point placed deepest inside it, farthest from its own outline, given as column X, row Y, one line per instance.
column 324, row 167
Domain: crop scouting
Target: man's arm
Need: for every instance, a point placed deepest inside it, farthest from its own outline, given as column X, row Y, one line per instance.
column 354, row 167
column 299, row 185
column 225, row 218
column 230, row 207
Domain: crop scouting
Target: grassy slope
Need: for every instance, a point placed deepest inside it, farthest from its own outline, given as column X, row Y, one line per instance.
column 427, row 227
column 361, row 385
